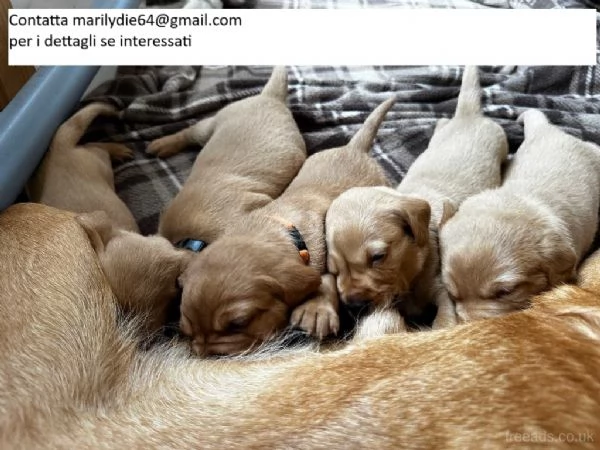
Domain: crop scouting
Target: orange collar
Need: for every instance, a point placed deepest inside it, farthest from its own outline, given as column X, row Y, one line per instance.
column 297, row 239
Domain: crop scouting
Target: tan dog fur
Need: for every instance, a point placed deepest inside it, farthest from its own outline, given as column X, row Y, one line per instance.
column 529, row 235
column 383, row 242
column 80, row 178
column 241, row 289
column 252, row 150
column 141, row 270
column 72, row 377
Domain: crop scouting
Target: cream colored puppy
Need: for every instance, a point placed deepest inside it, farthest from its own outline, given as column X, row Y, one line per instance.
column 79, row 178
column 506, row 244
column 141, row 270
column 383, row 242
column 252, row 150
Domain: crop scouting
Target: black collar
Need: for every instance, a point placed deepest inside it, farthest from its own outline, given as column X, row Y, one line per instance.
column 194, row 245
column 297, row 239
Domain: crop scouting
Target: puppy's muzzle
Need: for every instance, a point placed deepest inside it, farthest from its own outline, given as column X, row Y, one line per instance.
column 356, row 302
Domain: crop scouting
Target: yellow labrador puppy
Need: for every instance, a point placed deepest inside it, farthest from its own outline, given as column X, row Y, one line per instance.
column 506, row 244
column 252, row 150
column 141, row 270
column 73, row 376
column 79, row 178
column 383, row 242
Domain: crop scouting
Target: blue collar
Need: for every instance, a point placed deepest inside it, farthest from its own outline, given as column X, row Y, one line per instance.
column 194, row 245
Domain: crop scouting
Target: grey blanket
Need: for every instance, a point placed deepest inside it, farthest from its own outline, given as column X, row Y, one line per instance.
column 330, row 103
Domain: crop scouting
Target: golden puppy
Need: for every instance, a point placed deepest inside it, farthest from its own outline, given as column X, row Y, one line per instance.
column 252, row 150
column 80, row 178
column 506, row 244
column 141, row 270
column 72, row 376
column 383, row 242
column 241, row 289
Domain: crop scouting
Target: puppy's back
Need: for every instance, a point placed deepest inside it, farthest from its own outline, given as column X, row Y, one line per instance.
column 79, row 178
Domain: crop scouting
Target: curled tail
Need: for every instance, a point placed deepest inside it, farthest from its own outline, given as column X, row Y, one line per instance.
column 277, row 86
column 363, row 139
column 532, row 119
column 469, row 98
column 70, row 132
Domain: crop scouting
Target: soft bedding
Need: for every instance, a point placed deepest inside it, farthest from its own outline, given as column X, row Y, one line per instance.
column 330, row 103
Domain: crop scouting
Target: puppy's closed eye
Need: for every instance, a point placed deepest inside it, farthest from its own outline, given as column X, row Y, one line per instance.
column 377, row 258
column 504, row 292
column 238, row 324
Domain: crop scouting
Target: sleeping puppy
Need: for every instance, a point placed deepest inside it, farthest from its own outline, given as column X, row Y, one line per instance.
column 252, row 150
column 80, row 178
column 383, row 242
column 241, row 289
column 141, row 270
column 529, row 235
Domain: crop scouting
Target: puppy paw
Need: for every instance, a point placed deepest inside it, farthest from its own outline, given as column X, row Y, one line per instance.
column 165, row 146
column 117, row 152
column 317, row 318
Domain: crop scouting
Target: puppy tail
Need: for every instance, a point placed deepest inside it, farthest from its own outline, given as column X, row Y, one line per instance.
column 70, row 132
column 363, row 139
column 469, row 98
column 532, row 119
column 277, row 86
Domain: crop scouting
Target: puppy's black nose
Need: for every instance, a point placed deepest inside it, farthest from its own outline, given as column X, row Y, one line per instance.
column 356, row 302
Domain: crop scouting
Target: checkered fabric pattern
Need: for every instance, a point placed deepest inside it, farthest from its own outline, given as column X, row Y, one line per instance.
column 330, row 103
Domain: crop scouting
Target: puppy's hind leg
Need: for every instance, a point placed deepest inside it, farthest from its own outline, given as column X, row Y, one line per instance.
column 197, row 134
column 118, row 152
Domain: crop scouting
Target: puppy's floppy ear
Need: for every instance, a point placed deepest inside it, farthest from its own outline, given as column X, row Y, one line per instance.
column 296, row 280
column 559, row 260
column 98, row 227
column 271, row 285
column 448, row 211
column 414, row 214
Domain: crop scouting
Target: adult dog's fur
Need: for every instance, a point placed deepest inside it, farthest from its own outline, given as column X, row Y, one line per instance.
column 72, row 377
column 383, row 242
column 241, row 288
column 529, row 235
column 252, row 150
column 79, row 178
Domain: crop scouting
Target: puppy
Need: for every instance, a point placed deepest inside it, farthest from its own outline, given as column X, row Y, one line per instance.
column 141, row 270
column 252, row 150
column 80, row 178
column 72, row 376
column 383, row 242
column 241, row 289
column 529, row 235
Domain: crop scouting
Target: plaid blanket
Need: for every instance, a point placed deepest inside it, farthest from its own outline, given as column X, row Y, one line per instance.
column 329, row 104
